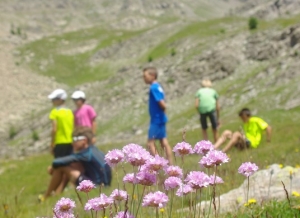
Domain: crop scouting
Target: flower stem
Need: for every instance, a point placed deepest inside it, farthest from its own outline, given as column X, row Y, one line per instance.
column 214, row 191
column 182, row 164
column 171, row 203
column 140, row 202
column 199, row 214
column 248, row 189
column 157, row 213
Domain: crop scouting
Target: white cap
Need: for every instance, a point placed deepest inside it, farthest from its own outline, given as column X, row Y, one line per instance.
column 59, row 94
column 78, row 94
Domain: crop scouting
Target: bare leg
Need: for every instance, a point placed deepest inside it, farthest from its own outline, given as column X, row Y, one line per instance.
column 225, row 135
column 204, row 134
column 151, row 147
column 57, row 177
column 215, row 134
column 167, row 148
column 65, row 179
column 236, row 137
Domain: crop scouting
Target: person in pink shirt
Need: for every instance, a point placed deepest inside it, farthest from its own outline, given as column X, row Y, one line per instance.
column 84, row 115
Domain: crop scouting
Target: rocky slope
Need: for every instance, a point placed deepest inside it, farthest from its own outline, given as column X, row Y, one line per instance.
column 245, row 66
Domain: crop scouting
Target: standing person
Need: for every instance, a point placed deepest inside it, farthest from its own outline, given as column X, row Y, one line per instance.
column 207, row 105
column 62, row 120
column 62, row 124
column 158, row 118
column 251, row 135
column 84, row 114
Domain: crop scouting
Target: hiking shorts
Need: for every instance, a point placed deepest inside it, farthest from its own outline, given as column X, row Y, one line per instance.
column 62, row 150
column 157, row 131
column 213, row 120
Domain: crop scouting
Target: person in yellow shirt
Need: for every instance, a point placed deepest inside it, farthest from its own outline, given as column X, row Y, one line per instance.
column 62, row 120
column 250, row 136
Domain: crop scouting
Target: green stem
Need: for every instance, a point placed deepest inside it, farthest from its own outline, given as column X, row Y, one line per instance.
column 182, row 164
column 140, row 202
column 157, row 216
column 171, row 203
column 199, row 214
column 195, row 203
column 248, row 190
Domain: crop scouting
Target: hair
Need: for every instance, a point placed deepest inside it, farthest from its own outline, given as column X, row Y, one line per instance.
column 206, row 83
column 245, row 111
column 84, row 131
column 152, row 71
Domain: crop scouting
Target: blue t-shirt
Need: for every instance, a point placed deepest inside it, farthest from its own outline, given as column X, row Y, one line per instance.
column 156, row 94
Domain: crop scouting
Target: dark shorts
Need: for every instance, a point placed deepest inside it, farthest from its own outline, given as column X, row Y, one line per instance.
column 157, row 131
column 62, row 150
column 213, row 119
column 243, row 144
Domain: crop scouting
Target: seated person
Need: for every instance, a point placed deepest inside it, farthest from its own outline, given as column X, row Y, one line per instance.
column 86, row 163
column 253, row 128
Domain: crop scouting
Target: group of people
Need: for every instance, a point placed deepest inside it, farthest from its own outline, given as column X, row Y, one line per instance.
column 73, row 133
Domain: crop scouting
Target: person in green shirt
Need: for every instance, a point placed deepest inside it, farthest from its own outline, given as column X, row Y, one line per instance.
column 207, row 105
column 251, row 134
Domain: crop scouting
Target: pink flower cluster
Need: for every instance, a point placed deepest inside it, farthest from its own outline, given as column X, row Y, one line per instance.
column 172, row 183
column 99, row 203
column 119, row 195
column 197, row 179
column 156, row 199
column 124, row 214
column 156, row 163
column 184, row 190
column 114, row 157
column 203, row 147
column 214, row 158
column 136, row 155
column 182, row 149
column 248, row 169
column 85, row 186
column 174, row 171
column 64, row 208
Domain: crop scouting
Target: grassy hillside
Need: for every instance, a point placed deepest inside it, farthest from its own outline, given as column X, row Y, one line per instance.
column 93, row 59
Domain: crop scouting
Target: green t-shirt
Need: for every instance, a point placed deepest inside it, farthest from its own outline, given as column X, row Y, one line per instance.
column 254, row 129
column 64, row 124
column 207, row 100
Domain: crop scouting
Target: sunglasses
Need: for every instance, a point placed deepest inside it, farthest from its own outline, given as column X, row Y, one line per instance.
column 78, row 138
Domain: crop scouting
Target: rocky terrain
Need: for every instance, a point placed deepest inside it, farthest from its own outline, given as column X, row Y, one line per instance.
column 245, row 66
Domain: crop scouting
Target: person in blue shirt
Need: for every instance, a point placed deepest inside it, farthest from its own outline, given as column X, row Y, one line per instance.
column 86, row 163
column 158, row 118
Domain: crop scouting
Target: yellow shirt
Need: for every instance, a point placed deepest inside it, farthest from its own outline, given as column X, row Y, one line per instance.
column 64, row 124
column 254, row 129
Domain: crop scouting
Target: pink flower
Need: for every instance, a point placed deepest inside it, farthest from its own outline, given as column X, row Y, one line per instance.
column 119, row 195
column 98, row 203
column 129, row 178
column 174, row 171
column 213, row 158
column 64, row 208
column 248, row 168
column 184, row 190
column 122, row 214
column 156, row 199
column 85, row 186
column 114, row 157
column 135, row 154
column 156, row 163
column 203, row 147
column 215, row 180
column 145, row 178
column 182, row 149
column 197, row 179
column 172, row 182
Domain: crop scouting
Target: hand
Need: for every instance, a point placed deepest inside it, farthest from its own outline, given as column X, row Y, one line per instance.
column 94, row 140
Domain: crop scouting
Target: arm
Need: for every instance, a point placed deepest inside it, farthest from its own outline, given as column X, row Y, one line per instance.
column 162, row 105
column 218, row 109
column 94, row 126
column 197, row 103
column 53, row 133
column 64, row 161
column 269, row 133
